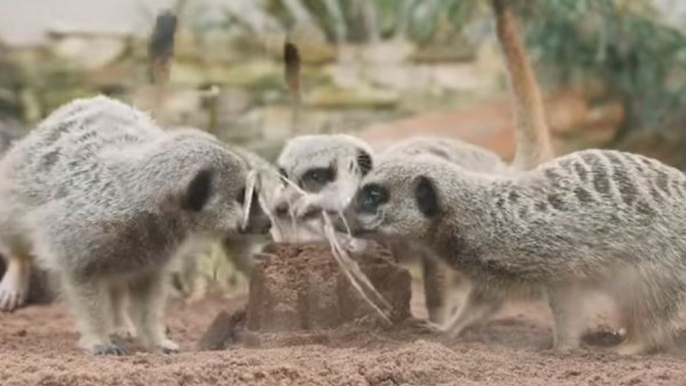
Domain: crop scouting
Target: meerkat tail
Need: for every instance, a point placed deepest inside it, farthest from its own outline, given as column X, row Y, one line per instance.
column 291, row 58
column 532, row 137
column 160, row 55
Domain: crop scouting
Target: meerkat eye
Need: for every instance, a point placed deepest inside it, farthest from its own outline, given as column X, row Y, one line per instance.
column 371, row 196
column 315, row 179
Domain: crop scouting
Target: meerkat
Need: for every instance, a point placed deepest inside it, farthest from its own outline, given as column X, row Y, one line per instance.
column 592, row 219
column 533, row 147
column 327, row 168
column 103, row 197
column 438, row 281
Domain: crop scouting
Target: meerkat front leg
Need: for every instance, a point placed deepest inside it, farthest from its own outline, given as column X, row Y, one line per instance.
column 567, row 306
column 91, row 304
column 148, row 298
column 435, row 289
column 481, row 302
column 122, row 326
column 14, row 287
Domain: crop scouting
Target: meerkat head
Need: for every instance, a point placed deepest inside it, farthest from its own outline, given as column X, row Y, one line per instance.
column 330, row 166
column 213, row 187
column 399, row 199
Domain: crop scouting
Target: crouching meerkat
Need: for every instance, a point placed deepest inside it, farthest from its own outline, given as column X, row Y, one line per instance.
column 592, row 219
column 328, row 169
column 103, row 197
column 533, row 146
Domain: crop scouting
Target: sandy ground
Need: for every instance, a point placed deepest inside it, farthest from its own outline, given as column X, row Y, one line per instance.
column 38, row 347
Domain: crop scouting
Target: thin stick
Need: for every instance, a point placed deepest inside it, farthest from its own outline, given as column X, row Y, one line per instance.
column 354, row 273
column 251, row 180
column 160, row 55
column 291, row 58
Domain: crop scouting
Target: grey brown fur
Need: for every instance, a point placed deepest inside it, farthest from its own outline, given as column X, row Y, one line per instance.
column 339, row 154
column 593, row 219
column 103, row 197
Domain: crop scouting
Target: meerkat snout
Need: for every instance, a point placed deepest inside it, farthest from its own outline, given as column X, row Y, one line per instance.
column 258, row 223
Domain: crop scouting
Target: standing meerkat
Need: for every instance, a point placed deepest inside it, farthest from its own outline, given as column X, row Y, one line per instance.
column 103, row 197
column 592, row 219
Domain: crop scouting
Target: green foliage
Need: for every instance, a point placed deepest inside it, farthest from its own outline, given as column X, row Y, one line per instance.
column 418, row 20
column 622, row 43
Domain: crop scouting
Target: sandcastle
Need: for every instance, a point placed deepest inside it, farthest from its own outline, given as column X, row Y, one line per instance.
column 298, row 294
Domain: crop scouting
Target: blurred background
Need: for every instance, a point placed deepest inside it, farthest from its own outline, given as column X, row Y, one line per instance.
column 613, row 71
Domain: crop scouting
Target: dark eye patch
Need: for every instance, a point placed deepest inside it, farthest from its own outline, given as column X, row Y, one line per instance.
column 315, row 178
column 370, row 197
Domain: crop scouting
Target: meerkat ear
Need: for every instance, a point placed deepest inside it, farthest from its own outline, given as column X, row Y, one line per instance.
column 364, row 162
column 426, row 196
column 198, row 191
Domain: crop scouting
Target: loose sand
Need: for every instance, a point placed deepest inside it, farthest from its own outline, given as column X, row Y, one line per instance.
column 38, row 347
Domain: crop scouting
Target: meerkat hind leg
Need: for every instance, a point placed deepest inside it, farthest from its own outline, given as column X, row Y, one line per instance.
column 148, row 298
column 481, row 302
column 91, row 303
column 648, row 308
column 14, row 287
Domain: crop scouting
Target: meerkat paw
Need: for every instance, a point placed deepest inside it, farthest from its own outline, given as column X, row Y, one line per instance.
column 426, row 327
column 166, row 346
column 631, row 348
column 99, row 346
column 108, row 349
column 14, row 290
column 124, row 332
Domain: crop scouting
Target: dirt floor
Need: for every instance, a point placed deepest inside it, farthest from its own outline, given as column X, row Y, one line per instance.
column 38, row 347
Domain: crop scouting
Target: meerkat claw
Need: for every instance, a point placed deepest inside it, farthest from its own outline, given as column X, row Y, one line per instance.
column 11, row 299
column 168, row 347
column 109, row 349
column 426, row 327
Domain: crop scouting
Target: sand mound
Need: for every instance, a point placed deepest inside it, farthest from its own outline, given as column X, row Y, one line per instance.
column 299, row 294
